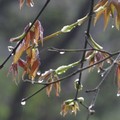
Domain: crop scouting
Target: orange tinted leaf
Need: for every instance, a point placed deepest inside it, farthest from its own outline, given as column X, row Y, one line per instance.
column 29, row 52
column 118, row 78
column 112, row 8
column 49, row 89
column 27, row 40
column 22, row 64
column 57, row 88
column 107, row 13
column 30, row 3
column 18, row 53
column 38, row 30
column 21, row 3
column 97, row 16
column 14, row 70
column 34, row 56
column 34, row 69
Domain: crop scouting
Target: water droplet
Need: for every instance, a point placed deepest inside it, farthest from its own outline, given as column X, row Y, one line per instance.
column 40, row 81
column 98, row 71
column 31, row 4
column 113, row 26
column 102, row 74
column 108, row 61
column 118, row 94
column 12, row 54
column 62, row 53
column 23, row 102
column 38, row 73
column 91, row 106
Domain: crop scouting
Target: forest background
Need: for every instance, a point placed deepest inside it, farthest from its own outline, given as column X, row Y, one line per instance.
column 56, row 15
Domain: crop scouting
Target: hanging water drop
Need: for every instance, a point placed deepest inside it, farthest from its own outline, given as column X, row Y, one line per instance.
column 23, row 102
column 102, row 74
column 40, row 81
column 113, row 26
column 38, row 73
column 98, row 71
column 12, row 54
column 62, row 53
column 118, row 94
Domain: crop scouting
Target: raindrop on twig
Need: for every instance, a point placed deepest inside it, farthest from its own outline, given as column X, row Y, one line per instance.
column 23, row 102
column 62, row 53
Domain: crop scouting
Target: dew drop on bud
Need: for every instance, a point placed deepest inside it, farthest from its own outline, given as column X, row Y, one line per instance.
column 118, row 94
column 62, row 53
column 23, row 102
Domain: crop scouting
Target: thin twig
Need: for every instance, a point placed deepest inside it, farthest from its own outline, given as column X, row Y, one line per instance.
column 85, row 44
column 68, row 76
column 53, row 49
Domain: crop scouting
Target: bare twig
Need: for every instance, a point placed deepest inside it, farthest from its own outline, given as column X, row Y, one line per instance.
column 68, row 76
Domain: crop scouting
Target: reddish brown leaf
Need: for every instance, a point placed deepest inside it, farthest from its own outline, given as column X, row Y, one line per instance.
column 19, row 51
column 14, row 70
column 21, row 3
column 30, row 3
column 34, row 69
column 111, row 8
column 118, row 78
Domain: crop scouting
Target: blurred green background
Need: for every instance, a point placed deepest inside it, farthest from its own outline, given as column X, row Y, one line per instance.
column 57, row 14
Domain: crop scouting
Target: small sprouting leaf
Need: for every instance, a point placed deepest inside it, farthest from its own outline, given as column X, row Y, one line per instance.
column 34, row 69
column 79, row 22
column 82, row 20
column 62, row 69
column 30, row 3
column 14, row 70
column 21, row 3
column 110, row 8
column 69, row 106
column 50, row 76
column 38, row 32
column 80, row 99
column 57, row 86
column 95, row 44
column 67, row 28
column 118, row 78
column 77, row 85
column 18, row 53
